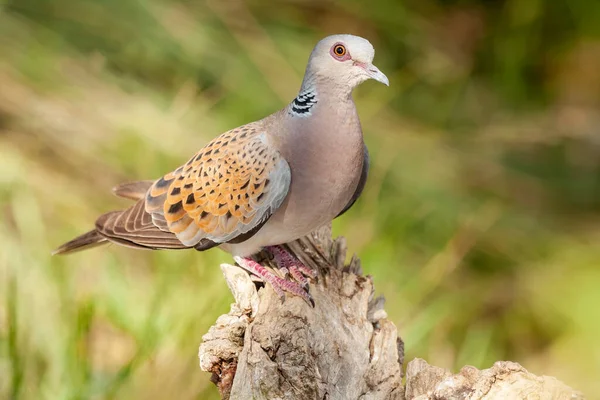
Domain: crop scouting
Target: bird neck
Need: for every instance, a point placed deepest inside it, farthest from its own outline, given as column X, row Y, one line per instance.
column 304, row 103
column 316, row 83
column 316, row 90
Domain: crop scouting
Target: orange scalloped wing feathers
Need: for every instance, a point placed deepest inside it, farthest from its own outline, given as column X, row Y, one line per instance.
column 226, row 190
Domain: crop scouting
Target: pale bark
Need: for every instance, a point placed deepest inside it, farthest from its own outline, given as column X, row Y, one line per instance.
column 504, row 380
column 343, row 348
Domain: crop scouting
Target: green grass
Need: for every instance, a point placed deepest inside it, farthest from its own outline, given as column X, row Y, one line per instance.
column 479, row 222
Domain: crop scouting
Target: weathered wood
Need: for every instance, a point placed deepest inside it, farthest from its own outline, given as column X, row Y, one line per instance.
column 504, row 380
column 343, row 348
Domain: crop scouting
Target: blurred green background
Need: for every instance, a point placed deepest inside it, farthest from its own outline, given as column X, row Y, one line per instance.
column 480, row 222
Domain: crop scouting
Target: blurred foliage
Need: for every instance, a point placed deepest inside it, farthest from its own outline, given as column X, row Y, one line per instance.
column 480, row 221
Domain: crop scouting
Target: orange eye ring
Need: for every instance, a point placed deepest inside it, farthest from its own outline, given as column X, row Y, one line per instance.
column 339, row 50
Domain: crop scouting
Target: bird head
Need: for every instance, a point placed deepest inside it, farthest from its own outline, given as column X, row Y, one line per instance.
column 344, row 60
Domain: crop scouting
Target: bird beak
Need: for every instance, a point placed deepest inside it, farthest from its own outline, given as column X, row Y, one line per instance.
column 374, row 73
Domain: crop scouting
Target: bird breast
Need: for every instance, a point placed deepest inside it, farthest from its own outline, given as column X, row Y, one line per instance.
column 325, row 157
column 325, row 154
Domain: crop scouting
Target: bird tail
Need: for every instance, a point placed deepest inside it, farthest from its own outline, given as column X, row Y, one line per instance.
column 86, row 241
column 133, row 190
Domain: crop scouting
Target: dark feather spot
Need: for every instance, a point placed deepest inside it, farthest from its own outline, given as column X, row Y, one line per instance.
column 190, row 199
column 267, row 181
column 188, row 185
column 203, row 214
column 236, row 207
column 245, row 185
column 221, row 205
column 176, row 191
column 198, row 157
column 175, row 207
column 228, row 214
column 256, row 186
column 260, row 196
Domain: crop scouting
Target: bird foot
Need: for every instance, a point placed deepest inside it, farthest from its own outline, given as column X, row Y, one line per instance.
column 291, row 265
column 279, row 284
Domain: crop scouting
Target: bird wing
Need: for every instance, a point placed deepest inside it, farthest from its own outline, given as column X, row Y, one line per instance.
column 134, row 227
column 361, row 183
column 226, row 191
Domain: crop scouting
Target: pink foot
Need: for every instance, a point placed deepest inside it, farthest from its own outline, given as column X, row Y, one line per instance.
column 288, row 263
column 280, row 285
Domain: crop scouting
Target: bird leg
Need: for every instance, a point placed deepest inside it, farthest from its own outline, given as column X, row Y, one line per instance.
column 288, row 263
column 279, row 284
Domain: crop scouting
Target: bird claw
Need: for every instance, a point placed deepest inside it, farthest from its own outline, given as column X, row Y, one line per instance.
column 287, row 263
column 280, row 285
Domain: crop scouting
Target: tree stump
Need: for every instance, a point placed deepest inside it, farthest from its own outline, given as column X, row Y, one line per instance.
column 343, row 348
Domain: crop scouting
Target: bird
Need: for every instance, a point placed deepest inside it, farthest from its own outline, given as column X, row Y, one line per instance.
column 263, row 184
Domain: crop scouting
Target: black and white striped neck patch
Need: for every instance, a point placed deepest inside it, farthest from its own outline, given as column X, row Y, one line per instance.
column 302, row 105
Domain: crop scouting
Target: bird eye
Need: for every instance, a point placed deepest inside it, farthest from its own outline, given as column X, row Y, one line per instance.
column 339, row 50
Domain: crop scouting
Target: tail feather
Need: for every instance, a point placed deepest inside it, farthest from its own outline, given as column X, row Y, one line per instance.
column 133, row 190
column 87, row 240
